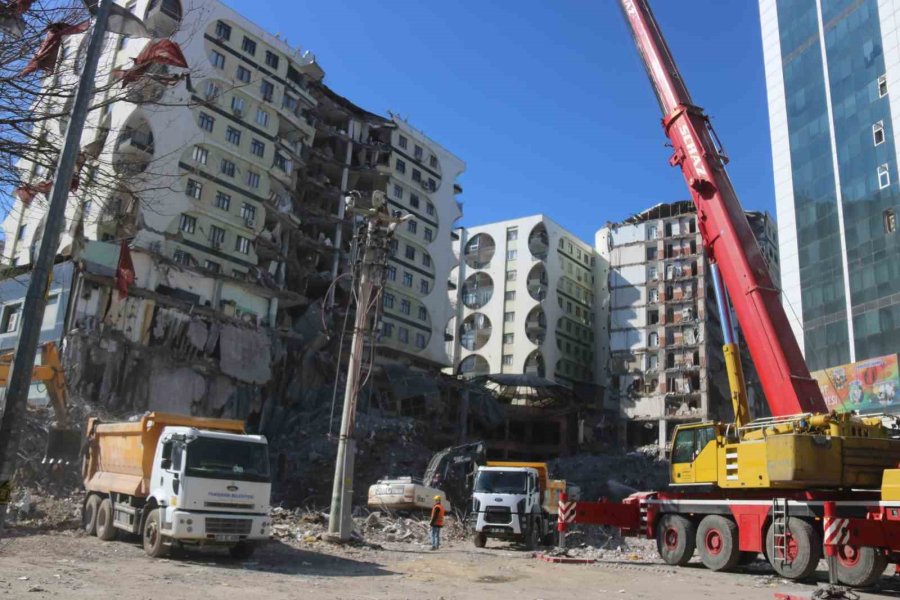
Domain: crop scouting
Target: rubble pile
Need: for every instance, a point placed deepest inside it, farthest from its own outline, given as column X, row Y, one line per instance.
column 36, row 508
column 612, row 475
column 54, row 480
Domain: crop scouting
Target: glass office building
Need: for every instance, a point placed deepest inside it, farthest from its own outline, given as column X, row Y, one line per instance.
column 833, row 79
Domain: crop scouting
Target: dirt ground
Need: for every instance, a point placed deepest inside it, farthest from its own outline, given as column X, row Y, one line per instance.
column 66, row 564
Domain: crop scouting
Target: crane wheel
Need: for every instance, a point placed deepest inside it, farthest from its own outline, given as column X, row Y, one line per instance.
column 803, row 549
column 89, row 514
column 106, row 529
column 675, row 539
column 717, row 543
column 860, row 566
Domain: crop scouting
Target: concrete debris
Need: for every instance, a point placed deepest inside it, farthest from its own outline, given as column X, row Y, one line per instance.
column 612, row 475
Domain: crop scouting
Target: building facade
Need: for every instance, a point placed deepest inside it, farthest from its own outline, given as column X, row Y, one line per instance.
column 832, row 70
column 524, row 302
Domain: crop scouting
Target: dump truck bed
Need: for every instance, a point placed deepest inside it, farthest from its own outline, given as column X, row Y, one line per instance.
column 120, row 456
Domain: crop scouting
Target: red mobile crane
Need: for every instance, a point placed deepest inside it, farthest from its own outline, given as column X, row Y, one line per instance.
column 781, row 485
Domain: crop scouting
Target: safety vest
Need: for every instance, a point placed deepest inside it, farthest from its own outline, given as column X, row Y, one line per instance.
column 437, row 515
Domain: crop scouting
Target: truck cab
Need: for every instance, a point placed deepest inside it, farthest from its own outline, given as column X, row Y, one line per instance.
column 507, row 503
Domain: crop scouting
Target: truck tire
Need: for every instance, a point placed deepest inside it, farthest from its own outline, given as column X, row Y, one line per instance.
column 717, row 543
column 531, row 536
column 106, row 529
column 89, row 514
column 549, row 539
column 480, row 539
column 804, row 550
column 154, row 542
column 676, row 538
column 242, row 550
column 860, row 566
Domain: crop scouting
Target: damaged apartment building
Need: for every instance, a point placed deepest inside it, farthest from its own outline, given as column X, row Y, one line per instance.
column 660, row 342
column 225, row 189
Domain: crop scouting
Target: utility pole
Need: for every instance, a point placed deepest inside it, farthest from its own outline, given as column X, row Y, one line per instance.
column 373, row 250
column 13, row 416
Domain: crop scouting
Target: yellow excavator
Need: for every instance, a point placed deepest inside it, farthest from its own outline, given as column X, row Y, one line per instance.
column 64, row 440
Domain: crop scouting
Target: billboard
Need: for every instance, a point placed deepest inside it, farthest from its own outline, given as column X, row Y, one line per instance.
column 866, row 386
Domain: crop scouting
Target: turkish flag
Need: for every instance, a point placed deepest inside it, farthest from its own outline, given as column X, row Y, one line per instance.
column 124, row 270
column 160, row 52
column 45, row 57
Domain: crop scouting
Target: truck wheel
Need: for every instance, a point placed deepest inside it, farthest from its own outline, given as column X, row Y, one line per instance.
column 676, row 539
column 242, row 550
column 480, row 540
column 89, row 514
column 531, row 536
column 803, row 550
column 717, row 543
column 860, row 566
column 153, row 537
column 550, row 539
column 106, row 530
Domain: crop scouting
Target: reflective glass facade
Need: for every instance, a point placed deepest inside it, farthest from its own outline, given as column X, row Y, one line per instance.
column 871, row 267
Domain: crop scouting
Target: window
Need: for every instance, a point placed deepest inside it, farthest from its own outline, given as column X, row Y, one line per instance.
column 429, row 235
column 248, row 212
column 401, row 166
column 654, row 295
column 509, row 338
column 509, row 317
column 267, row 90
column 511, row 275
column 11, row 316
column 216, row 236
column 248, row 46
column 410, row 252
column 510, row 296
column 233, row 136
column 423, row 313
column 212, row 266
column 402, row 141
column 223, row 201
column 243, row 74
column 257, row 148
column 262, row 117
column 227, row 167
column 21, row 235
column 212, row 91
column 200, row 155
column 407, row 279
column 237, row 105
column 884, row 176
column 193, row 188
column 290, row 103
column 512, row 234
column 511, row 254
column 424, row 286
column 242, row 244
column 878, row 133
column 217, row 59
column 653, row 341
column 507, row 360
column 282, row 162
column 272, row 59
column 690, row 442
column 890, row 221
column 389, row 301
column 387, row 329
column 426, row 260
column 391, row 273
column 182, row 257
column 432, row 160
column 432, row 185
column 414, row 201
column 403, row 334
column 223, row 31
column 187, row 224
column 405, row 306
column 429, row 209
column 418, row 152
column 416, row 175
column 882, row 86
column 398, row 191
column 253, row 179
column 420, row 340
column 412, row 226
column 206, row 122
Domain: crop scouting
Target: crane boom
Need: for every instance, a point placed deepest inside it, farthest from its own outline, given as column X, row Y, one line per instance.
column 727, row 238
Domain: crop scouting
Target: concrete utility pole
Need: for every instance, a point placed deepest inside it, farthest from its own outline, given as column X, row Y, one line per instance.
column 374, row 249
column 12, row 424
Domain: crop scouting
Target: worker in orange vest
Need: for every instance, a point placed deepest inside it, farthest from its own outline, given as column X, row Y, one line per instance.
column 437, row 521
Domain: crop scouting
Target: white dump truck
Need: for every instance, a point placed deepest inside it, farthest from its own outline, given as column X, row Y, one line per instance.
column 515, row 501
column 176, row 479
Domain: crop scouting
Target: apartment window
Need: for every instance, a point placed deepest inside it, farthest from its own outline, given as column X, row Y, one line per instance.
column 509, row 338
column 429, row 235
column 432, row 160
column 402, row 142
column 216, row 236
column 223, row 201
column 248, row 211
column 212, row 91
column 267, row 89
column 429, row 209
column 22, row 229
column 282, row 162
column 412, row 226
column 389, row 301
column 193, row 188
column 188, row 224
column 243, row 74
column 242, row 244
column 401, row 166
column 416, row 175
column 290, row 103
column 200, row 155
column 432, row 184
column 420, row 340
column 398, row 191
column 405, row 306
column 511, row 275
column 217, row 59
column 403, row 334
column 884, row 176
column 653, row 341
column 391, row 273
column 510, row 296
column 393, row 247
column 387, row 329
column 507, row 360
column 512, row 254
column 262, row 117
column 212, row 266
column 418, row 152
column 509, row 317
column 223, row 31
column 654, row 295
column 253, row 179
column 410, row 252
column 272, row 59
column 227, row 167
column 206, row 122
column 890, row 221
column 423, row 313
column 882, row 86
column 652, row 273
column 878, row 133
column 426, row 260
column 233, row 136
column 414, row 201
column 182, row 257
column 512, row 234
column 248, row 46
column 424, row 286
column 237, row 105
column 407, row 279
column 257, row 148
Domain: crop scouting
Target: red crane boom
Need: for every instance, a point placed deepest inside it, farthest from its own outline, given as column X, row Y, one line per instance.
column 727, row 237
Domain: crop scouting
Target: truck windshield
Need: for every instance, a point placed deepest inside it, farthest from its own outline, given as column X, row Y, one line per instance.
column 500, row 482
column 227, row 459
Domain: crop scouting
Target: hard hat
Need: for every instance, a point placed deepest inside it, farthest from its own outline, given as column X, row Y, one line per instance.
column 437, row 498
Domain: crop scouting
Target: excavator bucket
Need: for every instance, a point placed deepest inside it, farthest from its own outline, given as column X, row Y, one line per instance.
column 63, row 446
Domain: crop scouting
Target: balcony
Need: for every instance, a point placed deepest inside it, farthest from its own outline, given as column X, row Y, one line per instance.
column 536, row 325
column 539, row 242
column 477, row 290
column 475, row 331
column 534, row 365
column 134, row 147
column 479, row 251
column 163, row 17
column 537, row 282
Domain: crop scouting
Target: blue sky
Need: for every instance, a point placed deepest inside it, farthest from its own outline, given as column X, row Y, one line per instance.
column 546, row 102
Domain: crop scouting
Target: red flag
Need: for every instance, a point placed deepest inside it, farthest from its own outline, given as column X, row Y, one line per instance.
column 11, row 21
column 26, row 192
column 160, row 52
column 46, row 54
column 124, row 271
